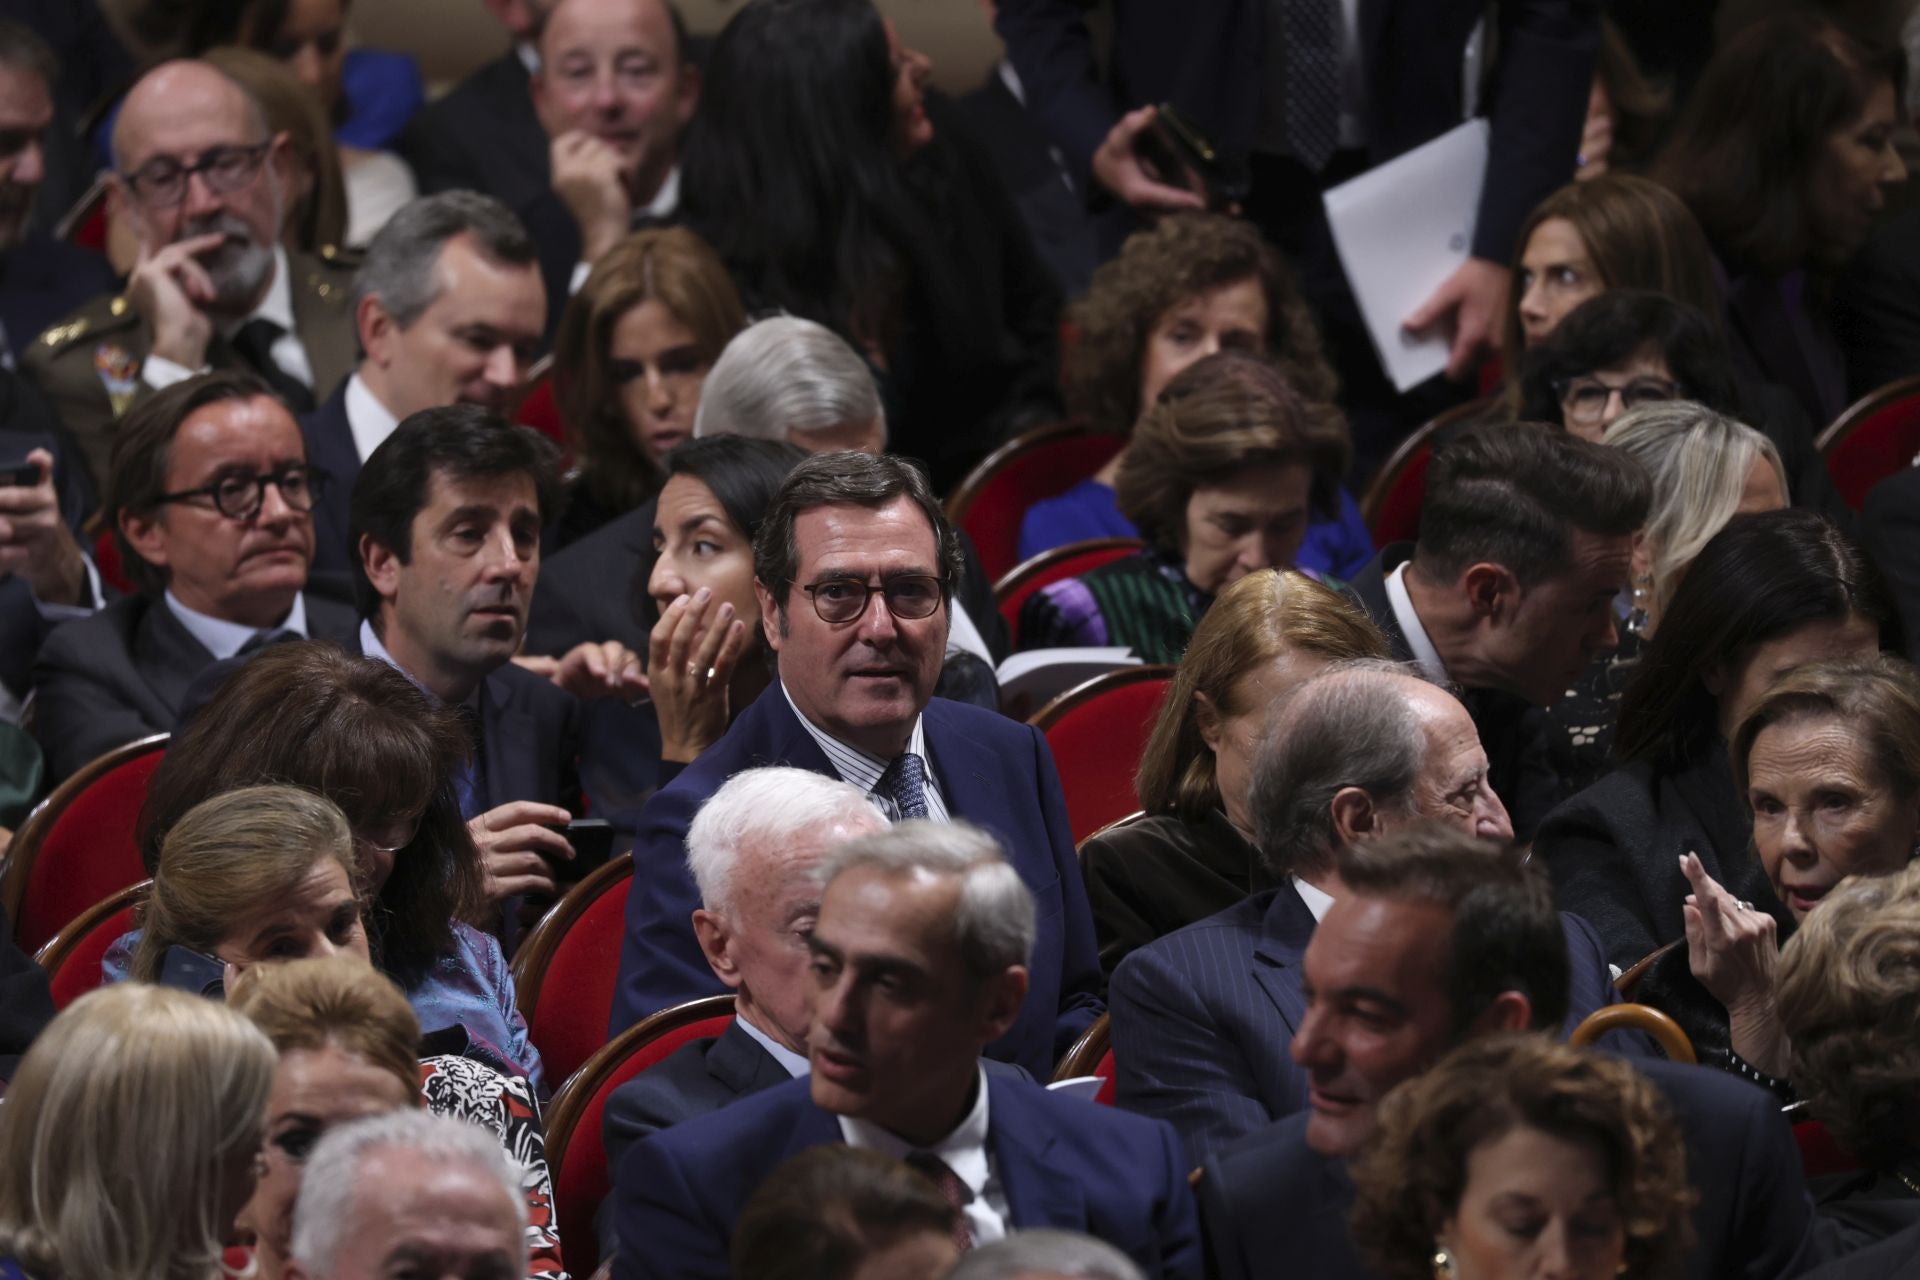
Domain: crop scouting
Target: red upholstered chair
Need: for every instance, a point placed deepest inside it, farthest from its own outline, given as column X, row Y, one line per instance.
column 1097, row 732
column 1391, row 505
column 106, row 558
column 78, row 848
column 1067, row 561
column 86, row 223
column 1877, row 436
column 72, row 959
column 576, row 1153
column 538, row 408
column 1091, row 1055
column 1820, row 1154
column 1043, row 463
column 565, row 970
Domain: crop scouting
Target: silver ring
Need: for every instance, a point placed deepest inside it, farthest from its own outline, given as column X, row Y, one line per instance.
column 1745, row 905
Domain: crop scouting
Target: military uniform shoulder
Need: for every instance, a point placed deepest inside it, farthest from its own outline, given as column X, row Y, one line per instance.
column 105, row 314
column 327, row 272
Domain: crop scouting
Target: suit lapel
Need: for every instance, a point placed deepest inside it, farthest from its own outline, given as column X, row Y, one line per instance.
column 167, row 656
column 957, row 758
column 1285, row 931
column 787, row 740
column 1369, row 590
column 1020, row 1135
column 509, row 742
column 739, row 1062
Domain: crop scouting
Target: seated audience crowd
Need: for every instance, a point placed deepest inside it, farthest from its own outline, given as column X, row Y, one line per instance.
column 600, row 676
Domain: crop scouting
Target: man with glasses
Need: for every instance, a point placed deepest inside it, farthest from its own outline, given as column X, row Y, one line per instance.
column 854, row 566
column 210, row 500
column 204, row 187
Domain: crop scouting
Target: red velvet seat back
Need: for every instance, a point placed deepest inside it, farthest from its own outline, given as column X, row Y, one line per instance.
column 569, row 1022
column 1883, row 440
column 79, row 970
column 996, row 494
column 1069, row 561
column 1097, row 733
column 87, row 853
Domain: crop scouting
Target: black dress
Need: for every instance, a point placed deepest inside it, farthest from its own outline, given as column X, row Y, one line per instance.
column 1163, row 873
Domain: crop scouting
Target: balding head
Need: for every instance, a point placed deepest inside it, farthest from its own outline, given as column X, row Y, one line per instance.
column 177, row 101
column 1360, row 750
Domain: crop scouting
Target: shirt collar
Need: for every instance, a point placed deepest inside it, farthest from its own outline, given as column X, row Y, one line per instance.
column 1424, row 653
column 277, row 306
column 853, row 765
column 369, row 421
column 665, row 200
column 1011, row 79
column 529, row 54
column 370, row 647
column 964, row 1150
column 1316, row 900
column 795, row 1064
column 223, row 639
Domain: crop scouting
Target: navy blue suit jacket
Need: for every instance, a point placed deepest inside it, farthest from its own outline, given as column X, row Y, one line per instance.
column 1275, row 1207
column 1062, row 1162
column 994, row 772
column 1204, row 1018
column 330, row 447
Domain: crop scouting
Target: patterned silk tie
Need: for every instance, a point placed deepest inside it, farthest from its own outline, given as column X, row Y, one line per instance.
column 958, row 1193
column 905, row 781
column 1311, row 30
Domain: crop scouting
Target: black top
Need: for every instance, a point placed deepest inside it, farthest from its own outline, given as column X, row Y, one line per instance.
column 1163, row 873
column 1869, row 1205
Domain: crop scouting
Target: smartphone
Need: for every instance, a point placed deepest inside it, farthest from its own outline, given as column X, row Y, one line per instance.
column 19, row 474
column 190, row 970
column 1181, row 155
column 592, row 841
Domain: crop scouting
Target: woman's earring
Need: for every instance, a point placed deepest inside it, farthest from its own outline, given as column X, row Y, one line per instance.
column 1642, row 593
column 1442, row 1263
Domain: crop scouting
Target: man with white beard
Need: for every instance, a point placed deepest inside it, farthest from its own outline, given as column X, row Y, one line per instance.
column 203, row 186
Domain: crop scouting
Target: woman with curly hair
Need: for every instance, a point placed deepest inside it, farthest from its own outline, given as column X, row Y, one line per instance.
column 1517, row 1157
column 1192, row 285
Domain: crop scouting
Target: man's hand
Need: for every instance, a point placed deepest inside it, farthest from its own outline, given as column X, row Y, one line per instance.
column 171, row 289
column 1117, row 168
column 588, row 178
column 35, row 542
column 513, row 839
column 1473, row 300
column 603, row 670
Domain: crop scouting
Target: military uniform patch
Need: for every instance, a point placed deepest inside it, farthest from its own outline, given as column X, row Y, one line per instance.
column 119, row 371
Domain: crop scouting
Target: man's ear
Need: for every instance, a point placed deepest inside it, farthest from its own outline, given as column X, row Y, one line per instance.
column 688, row 98
column 1491, row 591
column 1355, row 817
column 1640, row 563
column 1206, row 718
column 1001, row 1003
column 376, row 329
column 713, row 934
column 769, row 616
column 381, row 565
column 144, row 534
column 1508, row 1011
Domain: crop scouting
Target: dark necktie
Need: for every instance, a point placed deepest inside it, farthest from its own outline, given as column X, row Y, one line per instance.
column 905, row 783
column 957, row 1193
column 266, row 636
column 254, row 341
column 1311, row 30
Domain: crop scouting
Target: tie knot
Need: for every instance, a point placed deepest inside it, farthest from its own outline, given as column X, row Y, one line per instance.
column 267, row 636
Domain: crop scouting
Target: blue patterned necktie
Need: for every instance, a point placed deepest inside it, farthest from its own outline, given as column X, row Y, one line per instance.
column 905, row 781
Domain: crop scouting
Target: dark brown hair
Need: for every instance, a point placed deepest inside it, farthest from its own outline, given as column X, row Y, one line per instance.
column 819, row 1215
column 359, row 733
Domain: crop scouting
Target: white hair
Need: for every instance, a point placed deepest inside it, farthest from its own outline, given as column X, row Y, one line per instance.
column 994, row 919
column 784, row 376
column 325, row 1212
column 771, row 807
column 1046, row 1252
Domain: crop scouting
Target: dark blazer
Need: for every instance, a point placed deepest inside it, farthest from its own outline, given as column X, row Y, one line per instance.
column 1274, row 1207
column 1614, row 854
column 1774, row 340
column 121, row 674
column 329, row 441
column 482, row 136
column 695, row 1079
column 1890, row 527
column 991, row 771
column 1163, row 873
column 1204, row 1018
column 1513, row 732
column 1061, row 1162
column 26, row 424
column 26, row 1003
column 1876, row 306
column 1895, row 1258
column 1209, row 59
column 42, row 279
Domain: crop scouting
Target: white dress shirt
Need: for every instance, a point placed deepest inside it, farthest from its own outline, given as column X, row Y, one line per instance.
column 223, row 639
column 863, row 770
column 1424, row 654
column 795, row 1064
column 661, row 207
column 287, row 351
column 964, row 1151
column 1317, row 901
column 368, row 420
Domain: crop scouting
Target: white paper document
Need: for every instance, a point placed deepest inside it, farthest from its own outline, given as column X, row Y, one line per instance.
column 1401, row 229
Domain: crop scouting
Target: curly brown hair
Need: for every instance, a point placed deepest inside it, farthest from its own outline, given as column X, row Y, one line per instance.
column 1178, row 258
column 1410, row 1180
column 1848, row 991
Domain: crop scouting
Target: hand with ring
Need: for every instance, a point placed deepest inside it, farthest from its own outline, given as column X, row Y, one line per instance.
column 1732, row 949
column 691, row 655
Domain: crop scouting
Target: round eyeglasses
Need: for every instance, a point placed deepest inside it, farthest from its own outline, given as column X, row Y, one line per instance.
column 239, row 495
column 910, row 596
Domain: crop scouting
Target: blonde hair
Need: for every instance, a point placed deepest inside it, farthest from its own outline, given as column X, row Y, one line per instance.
column 337, row 1002
column 1698, row 460
column 1252, row 622
column 120, row 1134
column 230, row 855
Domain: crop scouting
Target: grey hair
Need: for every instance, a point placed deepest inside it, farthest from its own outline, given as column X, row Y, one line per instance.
column 325, row 1213
column 771, row 807
column 784, row 376
column 1699, row 461
column 1349, row 726
column 993, row 922
column 1046, row 1252
column 400, row 267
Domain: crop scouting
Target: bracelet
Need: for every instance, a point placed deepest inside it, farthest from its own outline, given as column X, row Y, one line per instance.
column 1778, row 1086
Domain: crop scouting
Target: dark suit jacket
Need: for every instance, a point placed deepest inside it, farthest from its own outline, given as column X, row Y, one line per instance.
column 1054, row 211
column 26, row 1004
column 1772, row 340
column 1614, row 853
column 1208, row 58
column 1274, row 1207
column 1204, row 1018
column 42, row 279
column 330, row 447
column 1876, row 308
column 121, row 674
column 695, row 1079
column 1062, row 1163
column 482, row 136
column 1890, row 526
column 1895, row 1258
column 1512, row 731
column 991, row 771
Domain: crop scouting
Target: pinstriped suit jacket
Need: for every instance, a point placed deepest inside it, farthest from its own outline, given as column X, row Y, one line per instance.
column 1204, row 1018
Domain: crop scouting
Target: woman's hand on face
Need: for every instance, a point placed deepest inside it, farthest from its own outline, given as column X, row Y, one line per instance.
column 691, row 656
column 1731, row 946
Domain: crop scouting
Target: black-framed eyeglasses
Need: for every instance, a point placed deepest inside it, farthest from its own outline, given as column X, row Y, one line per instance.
column 161, row 183
column 910, row 597
column 1584, row 400
column 239, row 496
